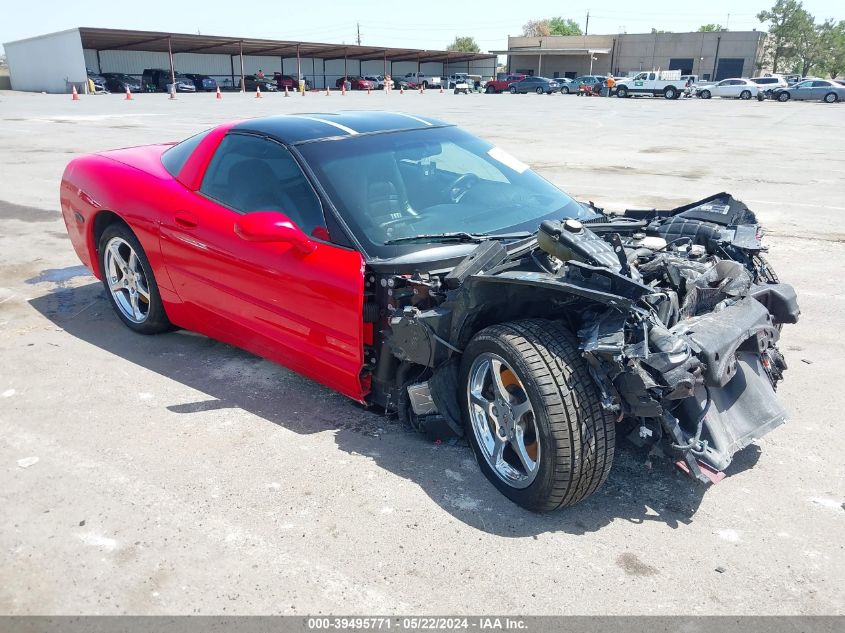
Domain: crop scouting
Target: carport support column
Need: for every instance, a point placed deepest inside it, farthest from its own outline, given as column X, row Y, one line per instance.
column 345, row 73
column 298, row 66
column 172, row 70
column 241, row 55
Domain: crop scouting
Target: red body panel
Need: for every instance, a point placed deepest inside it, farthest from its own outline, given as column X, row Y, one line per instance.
column 301, row 311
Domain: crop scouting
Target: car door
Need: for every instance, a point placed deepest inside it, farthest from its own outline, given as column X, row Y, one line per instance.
column 819, row 89
column 802, row 91
column 303, row 311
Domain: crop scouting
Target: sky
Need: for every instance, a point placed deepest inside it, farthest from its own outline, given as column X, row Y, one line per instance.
column 429, row 24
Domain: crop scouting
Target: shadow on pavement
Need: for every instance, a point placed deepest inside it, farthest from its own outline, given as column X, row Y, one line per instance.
column 446, row 471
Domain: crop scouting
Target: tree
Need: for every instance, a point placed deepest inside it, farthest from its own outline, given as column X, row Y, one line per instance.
column 834, row 64
column 654, row 30
column 787, row 26
column 711, row 28
column 465, row 44
column 561, row 26
column 536, row 28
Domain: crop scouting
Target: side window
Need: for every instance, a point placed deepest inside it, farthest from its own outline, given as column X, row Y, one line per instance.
column 175, row 158
column 252, row 173
column 651, row 76
column 820, row 84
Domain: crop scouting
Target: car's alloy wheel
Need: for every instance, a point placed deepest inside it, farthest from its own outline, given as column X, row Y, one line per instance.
column 533, row 414
column 128, row 279
column 669, row 93
column 783, row 97
column 502, row 419
column 622, row 92
column 564, row 90
column 705, row 94
column 831, row 97
column 539, row 91
column 745, row 95
column 512, row 90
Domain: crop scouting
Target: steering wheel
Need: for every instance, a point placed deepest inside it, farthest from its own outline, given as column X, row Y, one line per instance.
column 460, row 185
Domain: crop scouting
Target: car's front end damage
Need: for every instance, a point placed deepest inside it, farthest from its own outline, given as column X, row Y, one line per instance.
column 677, row 314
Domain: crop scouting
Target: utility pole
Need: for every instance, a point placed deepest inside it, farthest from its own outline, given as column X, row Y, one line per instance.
column 728, row 23
column 358, row 26
column 587, row 26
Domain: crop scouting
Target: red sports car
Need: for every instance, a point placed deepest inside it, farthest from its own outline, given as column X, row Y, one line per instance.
column 410, row 265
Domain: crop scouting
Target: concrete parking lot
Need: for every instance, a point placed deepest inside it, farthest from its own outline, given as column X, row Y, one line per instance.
column 178, row 475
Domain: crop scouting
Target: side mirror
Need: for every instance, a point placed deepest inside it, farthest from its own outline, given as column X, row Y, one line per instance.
column 272, row 226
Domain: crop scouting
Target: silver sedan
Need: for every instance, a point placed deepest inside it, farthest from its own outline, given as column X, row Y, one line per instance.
column 812, row 90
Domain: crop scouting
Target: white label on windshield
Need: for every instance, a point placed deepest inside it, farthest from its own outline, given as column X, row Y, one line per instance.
column 497, row 153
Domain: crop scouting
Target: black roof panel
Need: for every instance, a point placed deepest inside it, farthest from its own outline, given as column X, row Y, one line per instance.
column 300, row 128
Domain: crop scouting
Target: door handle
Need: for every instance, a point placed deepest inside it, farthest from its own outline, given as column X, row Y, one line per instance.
column 186, row 220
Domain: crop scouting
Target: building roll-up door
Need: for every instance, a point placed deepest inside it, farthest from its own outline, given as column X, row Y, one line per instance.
column 684, row 64
column 729, row 67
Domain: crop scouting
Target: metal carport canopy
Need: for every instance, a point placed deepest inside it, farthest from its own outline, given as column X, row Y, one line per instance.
column 119, row 39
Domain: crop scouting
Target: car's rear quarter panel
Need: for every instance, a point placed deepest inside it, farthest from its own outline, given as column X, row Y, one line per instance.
column 130, row 183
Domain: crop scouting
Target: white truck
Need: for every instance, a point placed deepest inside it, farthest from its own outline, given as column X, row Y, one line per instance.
column 420, row 79
column 666, row 83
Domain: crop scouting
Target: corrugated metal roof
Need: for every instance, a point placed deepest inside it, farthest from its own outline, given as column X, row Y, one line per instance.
column 120, row 39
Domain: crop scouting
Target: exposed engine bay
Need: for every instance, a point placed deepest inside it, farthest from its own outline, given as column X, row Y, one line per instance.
column 677, row 313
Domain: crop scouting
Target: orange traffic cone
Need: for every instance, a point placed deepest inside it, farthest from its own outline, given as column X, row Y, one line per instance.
column 219, row 96
column 75, row 96
column 128, row 94
column 258, row 92
column 286, row 91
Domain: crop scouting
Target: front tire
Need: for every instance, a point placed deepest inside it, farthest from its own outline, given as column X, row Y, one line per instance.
column 705, row 94
column 129, row 282
column 533, row 414
column 745, row 95
column 622, row 92
column 564, row 90
column 490, row 90
column 783, row 97
column 512, row 90
column 539, row 91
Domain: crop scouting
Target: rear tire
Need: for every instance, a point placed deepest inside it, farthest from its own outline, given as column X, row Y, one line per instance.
column 490, row 90
column 831, row 97
column 745, row 95
column 564, row 90
column 565, row 433
column 122, row 259
column 512, row 90
column 669, row 92
column 539, row 91
column 622, row 92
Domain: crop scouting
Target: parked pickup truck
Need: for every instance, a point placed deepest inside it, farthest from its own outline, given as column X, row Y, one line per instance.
column 420, row 79
column 667, row 83
column 501, row 85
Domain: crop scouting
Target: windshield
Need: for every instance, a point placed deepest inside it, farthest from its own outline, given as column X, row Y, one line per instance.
column 431, row 181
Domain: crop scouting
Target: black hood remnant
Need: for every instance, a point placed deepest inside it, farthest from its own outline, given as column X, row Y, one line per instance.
column 677, row 312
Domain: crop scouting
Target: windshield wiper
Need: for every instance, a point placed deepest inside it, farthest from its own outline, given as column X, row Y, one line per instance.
column 460, row 236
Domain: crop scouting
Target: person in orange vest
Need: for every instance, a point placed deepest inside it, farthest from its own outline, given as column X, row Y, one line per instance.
column 611, row 82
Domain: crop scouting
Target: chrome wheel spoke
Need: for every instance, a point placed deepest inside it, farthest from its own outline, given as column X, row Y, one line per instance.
column 518, row 444
column 117, row 258
column 498, row 386
column 519, row 410
column 117, row 284
column 143, row 292
column 498, row 451
column 133, row 262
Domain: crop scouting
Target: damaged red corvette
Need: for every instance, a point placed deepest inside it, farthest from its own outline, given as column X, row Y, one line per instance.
column 414, row 267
